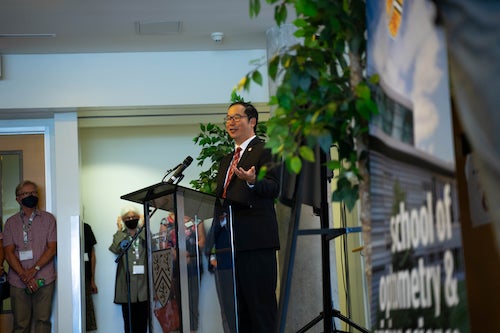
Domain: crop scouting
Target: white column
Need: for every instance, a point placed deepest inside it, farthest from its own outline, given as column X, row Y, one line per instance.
column 277, row 40
column 69, row 300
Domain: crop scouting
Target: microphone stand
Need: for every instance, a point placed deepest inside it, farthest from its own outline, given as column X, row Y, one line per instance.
column 169, row 172
column 125, row 246
column 230, row 224
column 178, row 180
column 177, row 176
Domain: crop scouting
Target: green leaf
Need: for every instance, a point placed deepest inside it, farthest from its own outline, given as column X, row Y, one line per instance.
column 364, row 108
column 295, row 164
column 257, row 77
column 325, row 142
column 306, row 7
column 300, row 22
column 306, row 153
column 254, row 8
column 280, row 14
column 262, row 173
column 273, row 67
column 346, row 193
column 374, row 79
column 235, row 97
column 362, row 91
column 305, row 82
column 333, row 164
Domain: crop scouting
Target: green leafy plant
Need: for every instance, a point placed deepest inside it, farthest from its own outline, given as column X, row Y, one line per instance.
column 216, row 143
column 322, row 98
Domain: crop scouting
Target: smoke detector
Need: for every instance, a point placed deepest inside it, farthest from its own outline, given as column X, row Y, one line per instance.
column 217, row 37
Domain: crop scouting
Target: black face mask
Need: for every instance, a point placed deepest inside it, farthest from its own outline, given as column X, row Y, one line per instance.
column 30, row 201
column 132, row 224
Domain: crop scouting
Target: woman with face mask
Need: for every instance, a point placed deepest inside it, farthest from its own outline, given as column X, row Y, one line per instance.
column 129, row 223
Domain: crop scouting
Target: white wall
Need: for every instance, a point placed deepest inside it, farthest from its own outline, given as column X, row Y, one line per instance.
column 125, row 79
column 116, row 161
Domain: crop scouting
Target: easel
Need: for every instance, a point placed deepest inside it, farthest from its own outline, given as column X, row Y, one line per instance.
column 327, row 234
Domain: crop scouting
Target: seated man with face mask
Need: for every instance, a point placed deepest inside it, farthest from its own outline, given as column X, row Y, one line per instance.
column 129, row 223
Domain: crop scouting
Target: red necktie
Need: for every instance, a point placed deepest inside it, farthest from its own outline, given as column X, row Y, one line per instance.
column 236, row 158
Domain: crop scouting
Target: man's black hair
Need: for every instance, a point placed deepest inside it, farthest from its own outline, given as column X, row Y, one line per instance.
column 250, row 111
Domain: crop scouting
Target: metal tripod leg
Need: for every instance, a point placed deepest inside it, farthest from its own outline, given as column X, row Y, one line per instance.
column 326, row 235
column 336, row 313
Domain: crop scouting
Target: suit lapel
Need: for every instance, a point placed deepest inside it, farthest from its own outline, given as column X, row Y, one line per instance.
column 248, row 151
column 246, row 155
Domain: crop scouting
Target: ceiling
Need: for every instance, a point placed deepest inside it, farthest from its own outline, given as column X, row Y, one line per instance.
column 107, row 26
column 97, row 26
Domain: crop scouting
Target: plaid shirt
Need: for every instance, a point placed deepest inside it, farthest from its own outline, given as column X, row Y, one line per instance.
column 41, row 232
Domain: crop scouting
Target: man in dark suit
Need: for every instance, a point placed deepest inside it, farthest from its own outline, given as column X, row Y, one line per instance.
column 245, row 204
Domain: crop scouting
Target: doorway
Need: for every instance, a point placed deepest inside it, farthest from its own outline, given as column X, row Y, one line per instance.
column 21, row 157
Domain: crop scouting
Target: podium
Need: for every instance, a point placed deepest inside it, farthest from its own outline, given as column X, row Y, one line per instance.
column 172, row 264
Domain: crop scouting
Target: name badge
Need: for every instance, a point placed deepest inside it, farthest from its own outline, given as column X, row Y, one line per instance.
column 85, row 256
column 138, row 269
column 25, row 255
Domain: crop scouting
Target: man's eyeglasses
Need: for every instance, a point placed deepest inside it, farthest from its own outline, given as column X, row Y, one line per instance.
column 26, row 194
column 236, row 118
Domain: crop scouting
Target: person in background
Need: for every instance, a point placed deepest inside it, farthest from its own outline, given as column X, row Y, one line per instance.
column 30, row 246
column 90, row 286
column 255, row 226
column 128, row 224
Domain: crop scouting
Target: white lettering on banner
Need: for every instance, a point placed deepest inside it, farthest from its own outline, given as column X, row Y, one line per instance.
column 451, row 284
column 415, row 228
column 420, row 286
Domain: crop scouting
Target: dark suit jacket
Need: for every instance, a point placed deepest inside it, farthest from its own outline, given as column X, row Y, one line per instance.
column 254, row 216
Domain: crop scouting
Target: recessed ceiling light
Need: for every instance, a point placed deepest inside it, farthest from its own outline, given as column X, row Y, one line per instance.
column 158, row 27
column 27, row 35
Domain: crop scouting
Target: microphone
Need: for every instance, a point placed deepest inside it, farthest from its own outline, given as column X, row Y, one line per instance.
column 124, row 244
column 180, row 168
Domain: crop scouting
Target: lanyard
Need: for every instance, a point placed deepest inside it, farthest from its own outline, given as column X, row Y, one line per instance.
column 135, row 244
column 27, row 228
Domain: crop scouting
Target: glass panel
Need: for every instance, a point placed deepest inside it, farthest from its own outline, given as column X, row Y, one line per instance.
column 184, row 294
column 222, row 263
column 165, row 289
column 165, row 277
